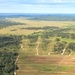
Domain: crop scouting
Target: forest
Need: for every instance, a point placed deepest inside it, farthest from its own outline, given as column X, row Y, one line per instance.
column 5, row 23
column 9, row 48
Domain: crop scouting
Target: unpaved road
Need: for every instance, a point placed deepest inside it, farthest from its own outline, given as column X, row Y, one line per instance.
column 37, row 48
column 15, row 65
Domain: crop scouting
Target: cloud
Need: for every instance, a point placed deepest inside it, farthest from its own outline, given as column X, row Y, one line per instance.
column 36, row 2
column 37, row 5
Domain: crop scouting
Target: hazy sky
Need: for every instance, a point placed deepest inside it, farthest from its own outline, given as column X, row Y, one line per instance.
column 37, row 6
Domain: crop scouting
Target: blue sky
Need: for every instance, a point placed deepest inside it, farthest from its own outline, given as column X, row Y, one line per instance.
column 37, row 6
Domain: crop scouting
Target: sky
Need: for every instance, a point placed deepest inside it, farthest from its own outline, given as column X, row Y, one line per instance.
column 37, row 6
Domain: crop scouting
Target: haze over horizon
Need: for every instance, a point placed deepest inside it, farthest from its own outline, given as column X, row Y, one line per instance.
column 37, row 6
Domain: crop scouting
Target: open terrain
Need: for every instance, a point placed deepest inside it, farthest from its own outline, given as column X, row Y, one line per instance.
column 40, row 47
column 20, row 29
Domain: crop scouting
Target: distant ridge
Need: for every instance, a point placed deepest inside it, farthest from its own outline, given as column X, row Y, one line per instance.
column 38, row 16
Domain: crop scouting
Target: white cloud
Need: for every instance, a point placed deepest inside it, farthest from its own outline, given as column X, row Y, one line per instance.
column 58, row 1
column 61, row 1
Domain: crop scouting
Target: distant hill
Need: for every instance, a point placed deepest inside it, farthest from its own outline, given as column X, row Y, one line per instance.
column 47, row 17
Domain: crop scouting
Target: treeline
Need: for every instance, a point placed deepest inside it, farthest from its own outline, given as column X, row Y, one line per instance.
column 46, row 17
column 50, row 17
column 42, row 28
column 63, row 33
column 32, row 38
column 9, row 47
column 59, row 47
column 6, row 23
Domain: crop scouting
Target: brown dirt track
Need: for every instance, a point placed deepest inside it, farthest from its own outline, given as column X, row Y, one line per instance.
column 27, row 65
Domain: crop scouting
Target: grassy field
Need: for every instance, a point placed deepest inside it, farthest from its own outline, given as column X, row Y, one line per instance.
column 46, row 65
column 29, row 63
column 38, row 23
column 17, row 30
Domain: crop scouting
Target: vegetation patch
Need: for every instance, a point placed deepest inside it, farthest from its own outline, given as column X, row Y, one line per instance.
column 9, row 48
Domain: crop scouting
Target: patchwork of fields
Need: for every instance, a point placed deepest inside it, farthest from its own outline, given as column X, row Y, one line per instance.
column 46, row 65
